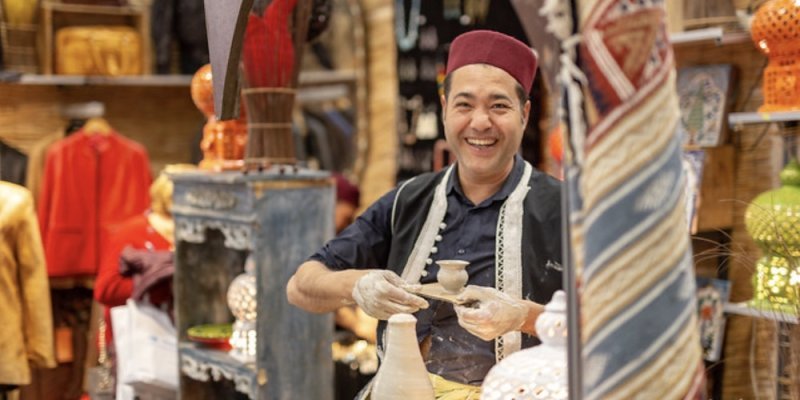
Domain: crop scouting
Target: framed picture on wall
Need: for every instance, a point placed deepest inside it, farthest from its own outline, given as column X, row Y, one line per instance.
column 712, row 294
column 703, row 98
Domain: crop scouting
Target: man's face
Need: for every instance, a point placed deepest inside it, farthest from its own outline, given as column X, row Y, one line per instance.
column 483, row 121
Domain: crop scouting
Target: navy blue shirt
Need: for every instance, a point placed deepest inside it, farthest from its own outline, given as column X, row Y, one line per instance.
column 469, row 235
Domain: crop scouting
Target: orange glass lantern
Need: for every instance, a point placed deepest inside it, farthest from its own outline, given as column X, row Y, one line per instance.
column 223, row 142
column 776, row 32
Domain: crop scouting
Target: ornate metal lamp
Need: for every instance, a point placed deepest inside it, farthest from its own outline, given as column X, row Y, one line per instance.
column 538, row 373
column 776, row 32
column 773, row 221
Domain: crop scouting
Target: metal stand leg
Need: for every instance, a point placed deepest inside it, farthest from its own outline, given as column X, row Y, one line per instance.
column 784, row 380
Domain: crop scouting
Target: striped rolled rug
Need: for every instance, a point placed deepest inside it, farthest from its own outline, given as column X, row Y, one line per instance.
column 630, row 241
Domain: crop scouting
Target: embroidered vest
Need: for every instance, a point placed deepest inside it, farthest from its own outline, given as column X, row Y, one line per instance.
column 538, row 245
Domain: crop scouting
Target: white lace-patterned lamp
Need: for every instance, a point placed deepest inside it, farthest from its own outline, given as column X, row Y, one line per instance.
column 537, row 373
column 242, row 301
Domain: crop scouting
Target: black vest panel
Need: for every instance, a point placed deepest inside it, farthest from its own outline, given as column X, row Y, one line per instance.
column 541, row 235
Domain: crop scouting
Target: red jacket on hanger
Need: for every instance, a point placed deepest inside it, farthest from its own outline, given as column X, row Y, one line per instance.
column 91, row 181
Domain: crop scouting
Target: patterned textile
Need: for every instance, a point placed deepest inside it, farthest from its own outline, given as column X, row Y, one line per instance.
column 630, row 240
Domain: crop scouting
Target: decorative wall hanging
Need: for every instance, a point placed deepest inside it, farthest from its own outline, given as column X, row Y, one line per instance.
column 692, row 161
column 407, row 32
column 407, row 70
column 703, row 97
column 776, row 33
column 429, row 39
column 773, row 221
column 476, row 10
column 452, row 9
column 712, row 294
column 408, row 115
column 427, row 69
column 427, row 125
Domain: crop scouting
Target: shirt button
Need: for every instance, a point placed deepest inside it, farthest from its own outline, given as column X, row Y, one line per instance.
column 434, row 250
column 424, row 273
column 429, row 261
column 438, row 238
column 442, row 225
column 461, row 251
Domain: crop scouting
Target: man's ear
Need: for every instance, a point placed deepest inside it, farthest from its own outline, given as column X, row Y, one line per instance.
column 526, row 110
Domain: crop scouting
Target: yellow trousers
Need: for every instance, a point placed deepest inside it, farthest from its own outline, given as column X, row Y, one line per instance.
column 443, row 390
column 448, row 390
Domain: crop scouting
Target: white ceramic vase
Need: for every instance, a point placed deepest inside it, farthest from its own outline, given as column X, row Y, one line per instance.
column 402, row 374
column 452, row 275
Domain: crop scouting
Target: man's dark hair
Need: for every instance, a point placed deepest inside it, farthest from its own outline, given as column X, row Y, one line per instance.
column 523, row 97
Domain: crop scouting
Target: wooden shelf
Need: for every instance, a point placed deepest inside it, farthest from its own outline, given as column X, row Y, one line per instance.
column 335, row 84
column 324, row 78
column 92, row 9
column 205, row 364
column 743, row 118
column 81, row 80
column 708, row 35
column 748, row 311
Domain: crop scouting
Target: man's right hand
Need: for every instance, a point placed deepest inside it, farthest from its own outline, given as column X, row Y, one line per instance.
column 381, row 294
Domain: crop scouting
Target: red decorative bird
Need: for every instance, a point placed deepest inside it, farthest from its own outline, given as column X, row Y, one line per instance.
column 268, row 48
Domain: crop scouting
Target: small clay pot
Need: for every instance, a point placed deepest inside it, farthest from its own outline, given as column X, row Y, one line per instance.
column 452, row 275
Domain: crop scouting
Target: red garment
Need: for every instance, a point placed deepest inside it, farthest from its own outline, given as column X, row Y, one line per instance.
column 268, row 55
column 111, row 288
column 90, row 182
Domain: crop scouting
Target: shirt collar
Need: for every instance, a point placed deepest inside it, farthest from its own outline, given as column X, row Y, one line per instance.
column 454, row 185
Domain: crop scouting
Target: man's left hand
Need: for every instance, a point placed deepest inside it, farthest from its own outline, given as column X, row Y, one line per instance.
column 490, row 313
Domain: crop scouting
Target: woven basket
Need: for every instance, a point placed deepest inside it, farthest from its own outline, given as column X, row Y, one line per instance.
column 19, row 47
column 269, row 126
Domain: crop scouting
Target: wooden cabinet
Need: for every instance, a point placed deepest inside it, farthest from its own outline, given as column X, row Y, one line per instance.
column 279, row 217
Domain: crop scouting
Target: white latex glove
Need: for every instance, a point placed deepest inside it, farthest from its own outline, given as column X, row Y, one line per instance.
column 381, row 294
column 489, row 312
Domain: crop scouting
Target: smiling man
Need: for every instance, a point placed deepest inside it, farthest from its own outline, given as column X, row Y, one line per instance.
column 491, row 208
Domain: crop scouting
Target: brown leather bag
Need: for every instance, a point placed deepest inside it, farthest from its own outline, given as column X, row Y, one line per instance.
column 99, row 50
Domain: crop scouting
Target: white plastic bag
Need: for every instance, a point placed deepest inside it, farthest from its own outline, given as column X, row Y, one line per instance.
column 147, row 349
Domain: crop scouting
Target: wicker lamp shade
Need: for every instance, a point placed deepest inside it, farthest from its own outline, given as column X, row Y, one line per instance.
column 776, row 33
column 540, row 372
column 773, row 221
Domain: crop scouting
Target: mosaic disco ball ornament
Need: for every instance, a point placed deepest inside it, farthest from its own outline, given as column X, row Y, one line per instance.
column 537, row 373
column 243, row 303
column 773, row 221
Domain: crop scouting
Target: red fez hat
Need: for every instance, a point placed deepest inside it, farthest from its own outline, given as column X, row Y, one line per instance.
column 496, row 49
